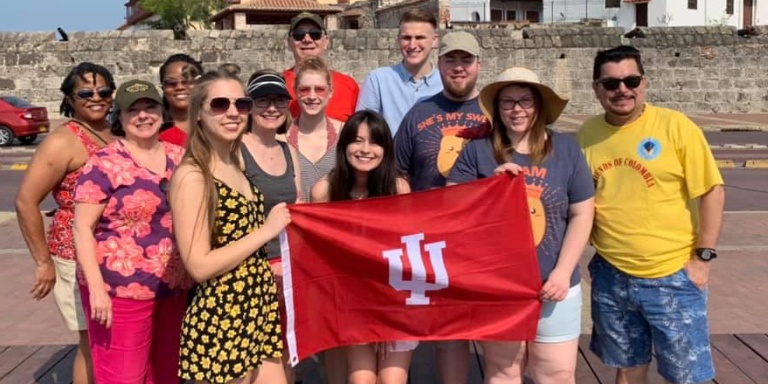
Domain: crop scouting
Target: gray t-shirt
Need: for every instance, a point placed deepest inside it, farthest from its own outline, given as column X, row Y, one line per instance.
column 563, row 178
column 431, row 137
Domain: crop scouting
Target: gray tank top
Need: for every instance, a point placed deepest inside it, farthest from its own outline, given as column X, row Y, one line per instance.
column 276, row 189
column 312, row 172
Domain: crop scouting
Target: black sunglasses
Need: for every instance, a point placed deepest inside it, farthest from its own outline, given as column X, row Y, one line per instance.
column 612, row 83
column 87, row 94
column 265, row 102
column 220, row 105
column 314, row 34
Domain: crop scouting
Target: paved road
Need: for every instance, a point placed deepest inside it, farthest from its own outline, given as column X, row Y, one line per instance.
column 747, row 190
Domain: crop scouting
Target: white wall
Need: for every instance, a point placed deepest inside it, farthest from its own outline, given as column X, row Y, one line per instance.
column 760, row 10
column 461, row 10
column 709, row 12
column 574, row 11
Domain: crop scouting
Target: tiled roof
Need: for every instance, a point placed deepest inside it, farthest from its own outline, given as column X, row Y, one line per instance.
column 283, row 5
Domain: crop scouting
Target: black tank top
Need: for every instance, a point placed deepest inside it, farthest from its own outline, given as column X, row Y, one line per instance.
column 276, row 189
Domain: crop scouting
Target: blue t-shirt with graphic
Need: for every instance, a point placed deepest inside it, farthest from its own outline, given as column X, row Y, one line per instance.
column 431, row 137
column 562, row 179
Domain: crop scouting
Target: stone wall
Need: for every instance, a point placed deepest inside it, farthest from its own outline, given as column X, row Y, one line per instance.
column 697, row 70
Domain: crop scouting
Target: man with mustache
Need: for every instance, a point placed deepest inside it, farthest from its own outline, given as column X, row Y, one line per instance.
column 307, row 37
column 658, row 210
column 392, row 91
column 429, row 141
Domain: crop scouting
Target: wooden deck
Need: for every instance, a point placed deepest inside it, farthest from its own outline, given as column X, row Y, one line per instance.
column 739, row 359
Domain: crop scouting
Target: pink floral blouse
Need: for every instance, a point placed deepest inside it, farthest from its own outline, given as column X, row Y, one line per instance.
column 135, row 248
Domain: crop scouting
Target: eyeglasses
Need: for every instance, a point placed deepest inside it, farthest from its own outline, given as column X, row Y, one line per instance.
column 305, row 90
column 507, row 104
column 220, row 105
column 265, row 102
column 87, row 94
column 612, row 83
column 314, row 34
column 173, row 83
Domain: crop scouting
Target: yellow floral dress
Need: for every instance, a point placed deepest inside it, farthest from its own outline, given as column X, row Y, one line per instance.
column 233, row 321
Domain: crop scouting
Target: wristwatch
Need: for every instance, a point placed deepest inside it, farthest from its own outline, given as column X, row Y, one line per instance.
column 706, row 254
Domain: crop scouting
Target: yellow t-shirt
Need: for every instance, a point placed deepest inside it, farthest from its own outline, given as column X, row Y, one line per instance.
column 647, row 176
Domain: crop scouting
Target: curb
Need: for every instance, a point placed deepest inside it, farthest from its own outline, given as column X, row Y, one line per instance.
column 13, row 167
column 759, row 164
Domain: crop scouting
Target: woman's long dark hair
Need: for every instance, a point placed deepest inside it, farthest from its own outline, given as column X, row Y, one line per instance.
column 382, row 181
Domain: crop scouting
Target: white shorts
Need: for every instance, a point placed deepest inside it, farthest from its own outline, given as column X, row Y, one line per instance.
column 67, row 295
column 560, row 321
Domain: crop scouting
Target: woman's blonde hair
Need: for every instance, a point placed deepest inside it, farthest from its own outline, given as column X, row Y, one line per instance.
column 199, row 149
column 313, row 64
column 539, row 137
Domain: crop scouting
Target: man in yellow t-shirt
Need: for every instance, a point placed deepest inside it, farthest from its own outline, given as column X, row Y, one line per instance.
column 658, row 209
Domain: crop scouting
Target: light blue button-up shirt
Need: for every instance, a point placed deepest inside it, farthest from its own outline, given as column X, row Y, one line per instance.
column 392, row 91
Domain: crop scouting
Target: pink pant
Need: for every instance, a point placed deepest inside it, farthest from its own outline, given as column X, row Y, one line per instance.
column 142, row 346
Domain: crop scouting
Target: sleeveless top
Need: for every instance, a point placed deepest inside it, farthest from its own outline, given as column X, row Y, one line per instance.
column 232, row 323
column 61, row 243
column 276, row 189
column 312, row 172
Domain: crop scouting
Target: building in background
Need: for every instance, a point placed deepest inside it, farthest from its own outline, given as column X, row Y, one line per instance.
column 623, row 13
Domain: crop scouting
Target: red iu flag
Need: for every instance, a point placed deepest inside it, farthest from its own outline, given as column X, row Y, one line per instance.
column 455, row 263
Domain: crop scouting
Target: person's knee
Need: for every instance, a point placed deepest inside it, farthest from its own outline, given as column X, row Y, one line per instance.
column 633, row 375
column 362, row 377
column 555, row 376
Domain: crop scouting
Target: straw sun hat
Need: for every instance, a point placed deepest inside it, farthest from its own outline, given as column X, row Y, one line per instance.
column 552, row 104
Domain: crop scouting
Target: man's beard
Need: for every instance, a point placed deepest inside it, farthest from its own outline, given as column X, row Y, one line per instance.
column 460, row 92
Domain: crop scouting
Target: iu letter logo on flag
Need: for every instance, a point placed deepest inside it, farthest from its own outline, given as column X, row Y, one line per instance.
column 446, row 264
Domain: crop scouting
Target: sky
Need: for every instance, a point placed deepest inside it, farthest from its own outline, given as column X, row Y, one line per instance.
column 71, row 15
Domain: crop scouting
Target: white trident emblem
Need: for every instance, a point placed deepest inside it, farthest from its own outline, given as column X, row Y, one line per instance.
column 418, row 284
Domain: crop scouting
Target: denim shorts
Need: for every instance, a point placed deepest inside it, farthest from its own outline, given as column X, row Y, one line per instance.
column 631, row 314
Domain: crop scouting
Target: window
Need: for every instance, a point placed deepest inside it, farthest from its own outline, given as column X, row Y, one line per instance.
column 612, row 3
column 511, row 15
column 475, row 16
column 729, row 7
column 495, row 14
column 532, row 16
column 693, row 4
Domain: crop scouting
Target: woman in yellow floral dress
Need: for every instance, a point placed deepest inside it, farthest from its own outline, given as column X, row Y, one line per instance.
column 231, row 331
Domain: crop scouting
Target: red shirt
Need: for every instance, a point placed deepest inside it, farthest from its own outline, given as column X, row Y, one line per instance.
column 174, row 135
column 343, row 102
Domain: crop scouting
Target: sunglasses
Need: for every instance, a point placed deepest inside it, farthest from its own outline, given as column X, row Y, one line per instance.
column 305, row 90
column 314, row 34
column 87, row 94
column 612, row 83
column 220, row 105
column 265, row 102
column 507, row 104
column 173, row 83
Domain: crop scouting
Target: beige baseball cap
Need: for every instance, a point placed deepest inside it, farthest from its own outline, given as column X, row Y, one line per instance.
column 459, row 41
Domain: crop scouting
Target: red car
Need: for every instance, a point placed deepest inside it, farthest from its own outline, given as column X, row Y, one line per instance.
column 22, row 120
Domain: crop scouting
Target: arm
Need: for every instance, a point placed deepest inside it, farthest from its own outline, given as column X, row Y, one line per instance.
column 192, row 232
column 321, row 191
column 580, row 216
column 402, row 186
column 48, row 166
column 710, row 219
column 86, row 217
column 369, row 95
column 296, row 172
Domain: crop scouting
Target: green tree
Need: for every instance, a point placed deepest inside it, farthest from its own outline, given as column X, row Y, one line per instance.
column 182, row 14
